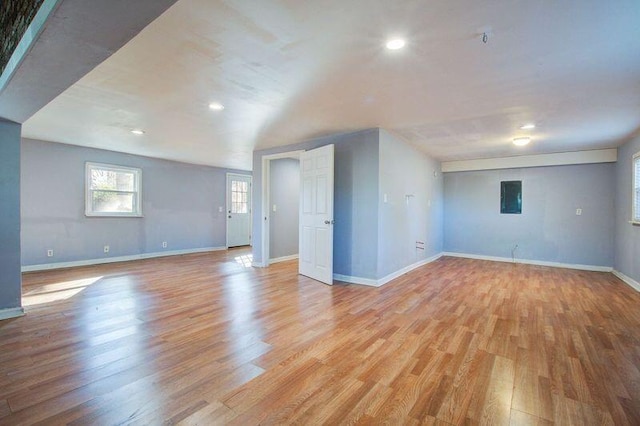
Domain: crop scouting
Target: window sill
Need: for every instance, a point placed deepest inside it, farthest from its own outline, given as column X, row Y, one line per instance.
column 634, row 222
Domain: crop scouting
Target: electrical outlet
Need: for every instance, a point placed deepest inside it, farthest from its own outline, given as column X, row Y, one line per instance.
column 578, row 212
column 164, row 244
column 50, row 253
column 106, row 249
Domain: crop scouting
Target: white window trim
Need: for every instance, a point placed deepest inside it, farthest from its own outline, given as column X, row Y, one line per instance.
column 635, row 215
column 87, row 192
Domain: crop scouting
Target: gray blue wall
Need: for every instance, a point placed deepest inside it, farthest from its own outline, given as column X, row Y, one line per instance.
column 284, row 193
column 627, row 236
column 548, row 228
column 10, row 278
column 180, row 206
column 355, row 200
column 406, row 171
column 355, row 237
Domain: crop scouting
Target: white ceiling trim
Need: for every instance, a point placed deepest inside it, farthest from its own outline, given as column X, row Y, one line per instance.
column 539, row 160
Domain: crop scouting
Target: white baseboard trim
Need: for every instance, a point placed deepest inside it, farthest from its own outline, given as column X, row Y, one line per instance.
column 409, row 268
column 382, row 281
column 356, row 280
column 627, row 280
column 11, row 313
column 258, row 264
column 283, row 258
column 89, row 262
column 594, row 268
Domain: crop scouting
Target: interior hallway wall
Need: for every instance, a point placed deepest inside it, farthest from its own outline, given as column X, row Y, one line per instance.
column 411, row 181
column 284, row 193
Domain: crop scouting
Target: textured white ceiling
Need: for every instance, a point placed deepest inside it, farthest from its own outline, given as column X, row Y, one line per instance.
column 291, row 70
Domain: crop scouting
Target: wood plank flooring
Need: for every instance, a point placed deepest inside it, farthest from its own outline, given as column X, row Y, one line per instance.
column 204, row 339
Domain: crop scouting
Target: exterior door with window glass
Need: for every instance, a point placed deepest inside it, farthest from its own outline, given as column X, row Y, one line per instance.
column 238, row 210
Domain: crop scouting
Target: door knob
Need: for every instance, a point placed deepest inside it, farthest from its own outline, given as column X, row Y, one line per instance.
column 329, row 222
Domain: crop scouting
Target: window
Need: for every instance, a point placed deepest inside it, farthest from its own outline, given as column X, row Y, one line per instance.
column 112, row 190
column 636, row 189
column 511, row 197
column 239, row 197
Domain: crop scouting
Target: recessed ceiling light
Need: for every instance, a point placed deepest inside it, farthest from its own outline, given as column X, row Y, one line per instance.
column 137, row 132
column 395, row 44
column 529, row 126
column 216, row 106
column 521, row 141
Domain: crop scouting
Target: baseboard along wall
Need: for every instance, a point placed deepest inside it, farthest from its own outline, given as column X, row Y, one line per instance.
column 595, row 268
column 627, row 280
column 88, row 262
column 283, row 258
column 382, row 281
column 11, row 313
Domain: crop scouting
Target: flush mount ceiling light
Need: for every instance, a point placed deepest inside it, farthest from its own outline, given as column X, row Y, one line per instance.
column 137, row 132
column 216, row 106
column 529, row 126
column 521, row 141
column 395, row 44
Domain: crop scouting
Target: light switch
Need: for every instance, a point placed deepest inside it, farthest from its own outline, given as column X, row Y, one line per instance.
column 385, row 198
column 274, row 207
column 578, row 212
column 220, row 209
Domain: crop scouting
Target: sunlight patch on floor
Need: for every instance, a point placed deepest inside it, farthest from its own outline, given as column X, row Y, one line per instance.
column 57, row 291
column 244, row 260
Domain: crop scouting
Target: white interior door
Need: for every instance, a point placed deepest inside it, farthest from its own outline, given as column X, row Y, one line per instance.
column 238, row 210
column 316, row 214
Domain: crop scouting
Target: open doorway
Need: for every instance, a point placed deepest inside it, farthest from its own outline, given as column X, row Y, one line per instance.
column 315, row 209
column 281, row 204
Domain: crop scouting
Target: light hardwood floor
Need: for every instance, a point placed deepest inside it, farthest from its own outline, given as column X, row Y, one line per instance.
column 204, row 339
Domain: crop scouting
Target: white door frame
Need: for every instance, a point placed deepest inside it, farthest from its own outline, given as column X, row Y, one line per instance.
column 266, row 198
column 228, row 207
